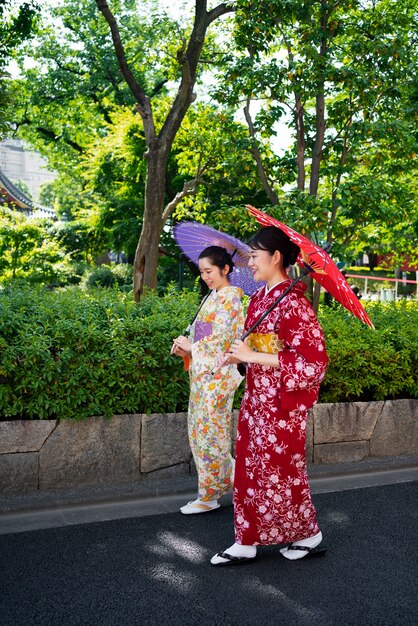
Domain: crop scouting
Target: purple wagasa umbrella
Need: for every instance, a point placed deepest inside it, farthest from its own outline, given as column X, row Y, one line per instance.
column 192, row 238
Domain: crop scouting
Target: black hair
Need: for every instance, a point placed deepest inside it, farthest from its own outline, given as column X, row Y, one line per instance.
column 218, row 256
column 271, row 238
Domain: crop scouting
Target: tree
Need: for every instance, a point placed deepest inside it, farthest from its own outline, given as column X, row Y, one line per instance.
column 209, row 168
column 83, row 83
column 17, row 24
column 159, row 142
column 341, row 76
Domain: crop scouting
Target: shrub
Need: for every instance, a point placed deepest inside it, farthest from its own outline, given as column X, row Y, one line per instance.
column 370, row 364
column 101, row 276
column 74, row 354
column 108, row 276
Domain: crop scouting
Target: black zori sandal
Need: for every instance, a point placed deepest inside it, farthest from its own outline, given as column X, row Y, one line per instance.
column 318, row 551
column 231, row 560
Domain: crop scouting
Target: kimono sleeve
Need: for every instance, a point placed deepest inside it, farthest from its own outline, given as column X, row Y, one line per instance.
column 303, row 358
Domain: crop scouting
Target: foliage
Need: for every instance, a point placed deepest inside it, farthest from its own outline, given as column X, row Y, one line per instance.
column 18, row 22
column 23, row 187
column 28, row 251
column 371, row 365
column 69, row 94
column 84, row 239
column 340, row 76
column 215, row 148
column 72, row 354
column 110, row 276
column 349, row 175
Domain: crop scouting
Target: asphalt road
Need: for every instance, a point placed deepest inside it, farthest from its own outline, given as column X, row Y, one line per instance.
column 155, row 570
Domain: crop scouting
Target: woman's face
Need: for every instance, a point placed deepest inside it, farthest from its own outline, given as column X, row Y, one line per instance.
column 214, row 277
column 263, row 265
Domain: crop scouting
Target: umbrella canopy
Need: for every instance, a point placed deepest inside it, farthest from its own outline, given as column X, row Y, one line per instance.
column 193, row 238
column 320, row 265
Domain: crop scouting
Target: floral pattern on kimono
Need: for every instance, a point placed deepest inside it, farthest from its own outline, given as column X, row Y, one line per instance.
column 272, row 500
column 221, row 321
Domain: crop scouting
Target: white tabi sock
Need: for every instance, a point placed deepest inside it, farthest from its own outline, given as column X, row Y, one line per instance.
column 310, row 542
column 237, row 549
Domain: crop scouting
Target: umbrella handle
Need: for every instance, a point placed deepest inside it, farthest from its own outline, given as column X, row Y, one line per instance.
column 189, row 328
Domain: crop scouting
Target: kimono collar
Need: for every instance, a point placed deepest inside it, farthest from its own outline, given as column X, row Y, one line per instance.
column 275, row 291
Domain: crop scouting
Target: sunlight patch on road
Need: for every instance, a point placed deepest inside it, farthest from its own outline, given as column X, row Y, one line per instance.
column 168, row 542
column 270, row 593
column 181, row 582
column 186, row 548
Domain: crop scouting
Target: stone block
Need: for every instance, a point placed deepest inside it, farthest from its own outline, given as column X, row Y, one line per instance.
column 24, row 435
column 96, row 451
column 346, row 421
column 234, row 424
column 345, row 452
column 234, row 430
column 180, row 469
column 396, row 430
column 18, row 473
column 164, row 441
column 310, row 436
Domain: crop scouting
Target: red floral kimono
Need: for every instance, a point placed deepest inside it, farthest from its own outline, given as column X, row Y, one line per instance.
column 272, row 500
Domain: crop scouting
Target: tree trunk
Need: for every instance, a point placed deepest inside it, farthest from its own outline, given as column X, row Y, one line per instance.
column 319, row 142
column 271, row 194
column 300, row 141
column 146, row 255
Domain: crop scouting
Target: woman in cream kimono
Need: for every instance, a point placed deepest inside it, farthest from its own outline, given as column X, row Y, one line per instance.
column 219, row 322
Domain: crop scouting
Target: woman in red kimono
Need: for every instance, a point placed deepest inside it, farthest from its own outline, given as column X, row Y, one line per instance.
column 285, row 361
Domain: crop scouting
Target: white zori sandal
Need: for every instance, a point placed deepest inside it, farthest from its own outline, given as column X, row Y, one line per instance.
column 199, row 506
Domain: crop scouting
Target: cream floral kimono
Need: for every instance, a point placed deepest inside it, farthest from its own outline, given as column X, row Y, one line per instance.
column 218, row 323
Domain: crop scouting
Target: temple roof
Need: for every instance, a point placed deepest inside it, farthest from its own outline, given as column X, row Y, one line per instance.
column 12, row 196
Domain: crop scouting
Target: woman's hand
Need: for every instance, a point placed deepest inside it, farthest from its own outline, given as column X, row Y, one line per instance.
column 240, row 352
column 225, row 359
column 181, row 346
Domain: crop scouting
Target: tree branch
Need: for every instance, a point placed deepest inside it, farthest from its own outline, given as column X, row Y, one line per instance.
column 343, row 158
column 189, row 58
column 221, row 9
column 190, row 188
column 342, row 129
column 142, row 100
column 50, row 135
column 320, row 113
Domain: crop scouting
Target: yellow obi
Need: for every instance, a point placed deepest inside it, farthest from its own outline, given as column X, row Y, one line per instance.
column 268, row 343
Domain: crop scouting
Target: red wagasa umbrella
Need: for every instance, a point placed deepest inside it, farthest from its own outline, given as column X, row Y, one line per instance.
column 315, row 261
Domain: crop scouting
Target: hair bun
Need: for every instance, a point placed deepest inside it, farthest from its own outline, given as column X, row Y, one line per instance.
column 218, row 256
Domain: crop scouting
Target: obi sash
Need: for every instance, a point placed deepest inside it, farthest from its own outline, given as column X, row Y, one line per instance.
column 265, row 342
column 202, row 330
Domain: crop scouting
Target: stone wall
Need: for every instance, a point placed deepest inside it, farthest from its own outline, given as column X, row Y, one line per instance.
column 48, row 455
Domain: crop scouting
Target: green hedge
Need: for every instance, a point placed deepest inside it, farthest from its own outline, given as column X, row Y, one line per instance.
column 73, row 354
column 370, row 364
